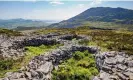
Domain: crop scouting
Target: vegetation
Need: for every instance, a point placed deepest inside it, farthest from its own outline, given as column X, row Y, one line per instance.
column 105, row 16
column 10, row 32
column 119, row 40
column 14, row 65
column 81, row 66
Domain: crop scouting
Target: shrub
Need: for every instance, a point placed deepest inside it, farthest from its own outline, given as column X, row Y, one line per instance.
column 80, row 67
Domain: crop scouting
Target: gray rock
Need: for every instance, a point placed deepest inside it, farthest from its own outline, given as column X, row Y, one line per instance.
column 96, row 78
column 104, row 76
column 130, row 63
column 120, row 59
column 121, row 76
column 106, row 68
column 128, row 74
column 129, row 69
column 121, row 67
column 110, row 54
column 28, row 74
column 114, row 77
column 47, row 67
column 111, row 61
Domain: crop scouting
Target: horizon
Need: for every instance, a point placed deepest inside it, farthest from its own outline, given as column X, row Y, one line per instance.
column 53, row 10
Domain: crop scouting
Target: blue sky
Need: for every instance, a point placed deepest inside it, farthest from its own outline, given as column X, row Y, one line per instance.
column 53, row 9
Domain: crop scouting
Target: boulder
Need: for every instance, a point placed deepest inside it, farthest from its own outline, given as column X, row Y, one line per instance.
column 45, row 68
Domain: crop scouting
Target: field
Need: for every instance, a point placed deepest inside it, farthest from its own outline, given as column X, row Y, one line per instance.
column 108, row 40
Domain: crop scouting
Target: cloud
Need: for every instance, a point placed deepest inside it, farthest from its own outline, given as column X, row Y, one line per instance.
column 56, row 2
column 81, row 5
column 95, row 2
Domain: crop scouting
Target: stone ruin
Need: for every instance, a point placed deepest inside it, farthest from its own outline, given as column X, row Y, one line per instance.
column 112, row 65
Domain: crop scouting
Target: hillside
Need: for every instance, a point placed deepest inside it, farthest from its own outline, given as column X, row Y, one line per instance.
column 118, row 17
column 14, row 23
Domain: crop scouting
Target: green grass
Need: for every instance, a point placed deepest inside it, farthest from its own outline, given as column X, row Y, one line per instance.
column 35, row 51
column 108, row 25
column 10, row 32
column 11, row 65
column 81, row 66
column 107, row 40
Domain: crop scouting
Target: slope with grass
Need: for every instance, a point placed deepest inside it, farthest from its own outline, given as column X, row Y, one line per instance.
column 105, row 16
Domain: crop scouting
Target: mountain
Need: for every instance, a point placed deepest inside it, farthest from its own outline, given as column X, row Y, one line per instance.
column 14, row 23
column 99, row 15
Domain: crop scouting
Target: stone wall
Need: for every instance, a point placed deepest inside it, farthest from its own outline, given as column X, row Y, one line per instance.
column 112, row 65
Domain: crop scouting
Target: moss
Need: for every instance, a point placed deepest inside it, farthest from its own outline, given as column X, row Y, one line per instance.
column 79, row 67
column 11, row 65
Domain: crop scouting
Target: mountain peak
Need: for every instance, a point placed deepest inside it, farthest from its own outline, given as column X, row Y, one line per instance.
column 102, row 14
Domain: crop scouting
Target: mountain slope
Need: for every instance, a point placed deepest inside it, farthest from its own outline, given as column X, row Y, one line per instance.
column 99, row 14
column 13, row 23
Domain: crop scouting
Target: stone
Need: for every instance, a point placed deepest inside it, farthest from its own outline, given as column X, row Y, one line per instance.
column 111, row 61
column 104, row 76
column 110, row 54
column 45, row 68
column 121, row 67
column 95, row 78
column 121, row 76
column 128, row 74
column 28, row 74
column 114, row 77
column 120, row 59
column 33, row 73
column 106, row 68
column 130, row 63
column 129, row 69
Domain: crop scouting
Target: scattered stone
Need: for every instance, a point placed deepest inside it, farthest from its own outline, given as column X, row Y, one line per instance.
column 121, row 76
column 112, row 65
column 121, row 67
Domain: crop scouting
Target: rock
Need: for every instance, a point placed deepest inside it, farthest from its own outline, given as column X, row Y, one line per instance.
column 104, row 76
column 128, row 74
column 110, row 54
column 114, row 77
column 120, row 59
column 33, row 73
column 121, row 67
column 111, row 61
column 47, row 67
column 95, row 78
column 20, row 79
column 121, row 76
column 5, row 78
column 28, row 74
column 129, row 69
column 130, row 63
column 106, row 68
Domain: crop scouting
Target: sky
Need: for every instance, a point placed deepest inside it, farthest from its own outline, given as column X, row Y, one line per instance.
column 53, row 9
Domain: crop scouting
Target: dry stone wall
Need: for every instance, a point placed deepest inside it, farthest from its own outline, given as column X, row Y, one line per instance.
column 112, row 65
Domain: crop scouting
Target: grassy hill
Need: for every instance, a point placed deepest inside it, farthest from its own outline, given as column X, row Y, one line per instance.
column 119, row 17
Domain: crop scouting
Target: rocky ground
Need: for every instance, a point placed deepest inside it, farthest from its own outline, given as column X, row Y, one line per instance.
column 112, row 65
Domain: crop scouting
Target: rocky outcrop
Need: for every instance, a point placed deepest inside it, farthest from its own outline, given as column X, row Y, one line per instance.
column 114, row 65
